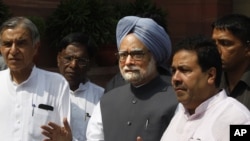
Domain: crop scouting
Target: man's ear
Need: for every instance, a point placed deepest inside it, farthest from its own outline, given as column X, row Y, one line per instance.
column 211, row 75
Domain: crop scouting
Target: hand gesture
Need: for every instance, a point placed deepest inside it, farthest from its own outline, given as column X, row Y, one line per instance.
column 55, row 132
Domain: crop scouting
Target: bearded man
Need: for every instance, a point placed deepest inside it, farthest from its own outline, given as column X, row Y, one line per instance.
column 144, row 106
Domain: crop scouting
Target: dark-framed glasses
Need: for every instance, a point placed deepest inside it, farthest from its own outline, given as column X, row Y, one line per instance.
column 81, row 62
column 136, row 55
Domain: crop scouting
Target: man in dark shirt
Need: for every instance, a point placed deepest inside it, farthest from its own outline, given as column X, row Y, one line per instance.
column 232, row 36
column 144, row 106
column 163, row 70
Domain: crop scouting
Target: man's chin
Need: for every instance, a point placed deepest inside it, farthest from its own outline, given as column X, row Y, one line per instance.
column 129, row 77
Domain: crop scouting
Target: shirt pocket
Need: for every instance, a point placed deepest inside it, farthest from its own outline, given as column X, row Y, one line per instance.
column 39, row 117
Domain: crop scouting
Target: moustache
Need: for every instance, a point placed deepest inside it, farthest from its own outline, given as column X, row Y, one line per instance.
column 130, row 68
column 179, row 86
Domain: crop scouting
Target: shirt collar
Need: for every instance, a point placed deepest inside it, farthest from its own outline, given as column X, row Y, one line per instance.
column 203, row 107
column 82, row 87
column 32, row 74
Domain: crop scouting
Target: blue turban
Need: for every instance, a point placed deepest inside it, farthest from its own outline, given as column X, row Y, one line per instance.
column 148, row 32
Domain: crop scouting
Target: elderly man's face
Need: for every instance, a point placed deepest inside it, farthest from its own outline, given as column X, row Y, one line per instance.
column 18, row 49
column 73, row 64
column 136, row 62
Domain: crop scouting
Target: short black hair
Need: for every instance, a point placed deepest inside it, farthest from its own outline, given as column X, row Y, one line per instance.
column 76, row 38
column 207, row 53
column 237, row 24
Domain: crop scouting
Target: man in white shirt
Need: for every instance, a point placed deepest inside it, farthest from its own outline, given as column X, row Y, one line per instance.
column 205, row 112
column 30, row 97
column 73, row 60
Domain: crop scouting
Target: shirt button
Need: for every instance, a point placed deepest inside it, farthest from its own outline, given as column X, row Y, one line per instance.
column 129, row 123
column 134, row 101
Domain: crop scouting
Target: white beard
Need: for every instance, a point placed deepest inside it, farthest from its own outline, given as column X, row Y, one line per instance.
column 137, row 74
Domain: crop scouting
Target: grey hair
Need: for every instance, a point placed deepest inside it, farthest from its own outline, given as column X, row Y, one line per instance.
column 24, row 23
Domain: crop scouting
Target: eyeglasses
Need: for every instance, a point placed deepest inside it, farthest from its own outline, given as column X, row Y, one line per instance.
column 135, row 55
column 81, row 62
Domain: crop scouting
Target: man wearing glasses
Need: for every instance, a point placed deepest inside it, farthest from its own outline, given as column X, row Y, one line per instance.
column 73, row 61
column 144, row 106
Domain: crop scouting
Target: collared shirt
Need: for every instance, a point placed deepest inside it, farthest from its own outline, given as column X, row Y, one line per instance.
column 24, row 107
column 83, row 101
column 241, row 90
column 210, row 122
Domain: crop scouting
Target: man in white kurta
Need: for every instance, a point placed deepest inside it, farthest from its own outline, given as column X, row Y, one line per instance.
column 204, row 113
column 73, row 58
column 21, row 116
column 83, row 101
column 29, row 97
column 210, row 122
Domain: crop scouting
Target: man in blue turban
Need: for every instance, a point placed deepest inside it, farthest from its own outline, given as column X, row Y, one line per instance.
column 155, row 39
column 152, row 35
column 144, row 106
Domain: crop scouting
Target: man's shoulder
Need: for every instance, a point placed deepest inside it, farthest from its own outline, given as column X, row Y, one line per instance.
column 235, row 109
column 4, row 73
column 49, row 74
column 96, row 88
column 246, row 77
column 118, row 91
column 51, row 78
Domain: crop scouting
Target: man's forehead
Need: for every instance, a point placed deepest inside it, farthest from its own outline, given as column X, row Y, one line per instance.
column 71, row 50
column 18, row 33
column 133, row 49
column 185, row 57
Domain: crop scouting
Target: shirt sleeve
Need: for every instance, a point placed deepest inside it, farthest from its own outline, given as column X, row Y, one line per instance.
column 95, row 126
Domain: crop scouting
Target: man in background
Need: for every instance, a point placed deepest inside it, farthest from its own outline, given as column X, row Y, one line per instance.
column 73, row 60
column 231, row 34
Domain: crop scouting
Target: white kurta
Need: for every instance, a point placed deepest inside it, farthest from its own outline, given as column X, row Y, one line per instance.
column 21, row 116
column 95, row 126
column 210, row 122
column 83, row 101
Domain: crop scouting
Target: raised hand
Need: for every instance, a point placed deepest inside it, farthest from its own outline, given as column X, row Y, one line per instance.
column 55, row 132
